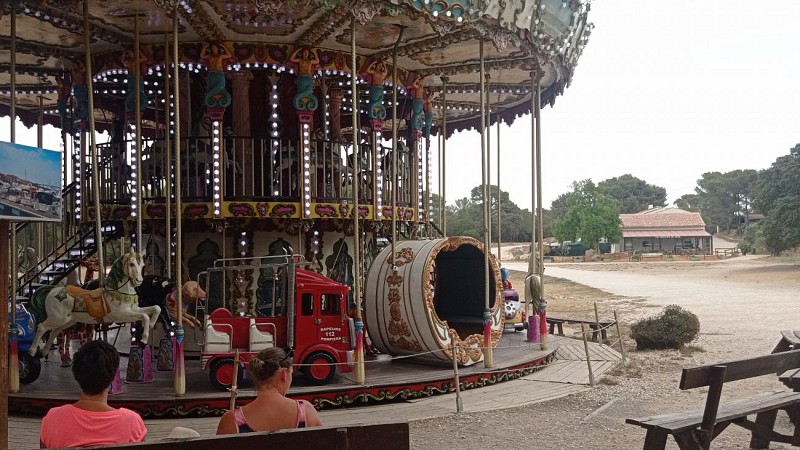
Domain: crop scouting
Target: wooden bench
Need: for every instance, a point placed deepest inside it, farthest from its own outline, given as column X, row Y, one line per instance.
column 696, row 429
column 387, row 436
column 558, row 322
column 790, row 340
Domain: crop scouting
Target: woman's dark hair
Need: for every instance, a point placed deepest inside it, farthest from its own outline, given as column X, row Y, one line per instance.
column 94, row 366
column 268, row 361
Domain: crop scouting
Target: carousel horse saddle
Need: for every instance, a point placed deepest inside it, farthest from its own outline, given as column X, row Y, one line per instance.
column 94, row 300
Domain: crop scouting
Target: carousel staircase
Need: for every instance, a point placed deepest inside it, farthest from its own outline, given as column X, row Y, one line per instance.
column 54, row 267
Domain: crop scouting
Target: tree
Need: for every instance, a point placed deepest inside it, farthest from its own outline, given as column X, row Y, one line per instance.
column 725, row 198
column 689, row 202
column 590, row 216
column 465, row 218
column 776, row 193
column 632, row 194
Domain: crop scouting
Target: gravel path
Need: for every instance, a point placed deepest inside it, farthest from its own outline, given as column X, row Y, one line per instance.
column 742, row 303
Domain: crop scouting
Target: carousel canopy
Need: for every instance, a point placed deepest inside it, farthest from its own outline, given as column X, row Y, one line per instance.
column 440, row 44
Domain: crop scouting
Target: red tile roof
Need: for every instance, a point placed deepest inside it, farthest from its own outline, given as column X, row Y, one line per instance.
column 663, row 222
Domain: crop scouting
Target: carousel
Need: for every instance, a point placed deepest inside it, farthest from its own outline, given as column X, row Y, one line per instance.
column 262, row 173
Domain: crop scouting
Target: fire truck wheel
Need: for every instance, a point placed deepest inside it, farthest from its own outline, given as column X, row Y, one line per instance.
column 319, row 368
column 221, row 374
column 29, row 368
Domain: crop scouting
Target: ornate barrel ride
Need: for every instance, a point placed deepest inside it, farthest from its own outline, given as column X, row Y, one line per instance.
column 430, row 288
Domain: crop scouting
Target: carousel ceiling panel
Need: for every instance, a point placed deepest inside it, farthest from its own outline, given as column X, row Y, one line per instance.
column 30, row 102
column 43, row 30
column 262, row 18
column 380, row 34
column 22, row 58
column 464, row 52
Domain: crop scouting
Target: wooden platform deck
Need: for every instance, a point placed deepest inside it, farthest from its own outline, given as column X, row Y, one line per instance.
column 562, row 377
column 386, row 379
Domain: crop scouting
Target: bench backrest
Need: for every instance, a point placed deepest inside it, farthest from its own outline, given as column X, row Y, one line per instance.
column 776, row 363
column 387, row 436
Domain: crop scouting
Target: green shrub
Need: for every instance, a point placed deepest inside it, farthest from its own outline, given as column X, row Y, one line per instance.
column 673, row 328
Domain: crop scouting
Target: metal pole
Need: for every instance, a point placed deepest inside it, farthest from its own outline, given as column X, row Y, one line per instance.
column 532, row 259
column 5, row 334
column 540, row 219
column 167, row 159
column 13, row 361
column 359, row 322
column 456, row 381
column 39, row 239
column 180, row 374
column 488, row 131
column 98, row 222
column 137, row 186
column 487, row 315
column 499, row 214
column 394, row 144
column 444, row 155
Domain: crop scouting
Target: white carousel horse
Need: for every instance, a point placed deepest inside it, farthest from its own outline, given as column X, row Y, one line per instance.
column 59, row 308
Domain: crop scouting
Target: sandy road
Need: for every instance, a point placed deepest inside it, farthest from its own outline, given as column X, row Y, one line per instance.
column 738, row 300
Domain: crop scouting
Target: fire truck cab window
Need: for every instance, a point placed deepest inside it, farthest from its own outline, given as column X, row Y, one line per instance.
column 307, row 307
column 330, row 305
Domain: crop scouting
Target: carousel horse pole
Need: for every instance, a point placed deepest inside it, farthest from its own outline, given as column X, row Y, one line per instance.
column 180, row 373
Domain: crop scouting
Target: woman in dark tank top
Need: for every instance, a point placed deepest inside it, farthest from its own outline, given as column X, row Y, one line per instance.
column 271, row 410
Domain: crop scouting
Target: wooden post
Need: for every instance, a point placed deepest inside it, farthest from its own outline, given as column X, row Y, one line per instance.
column 454, row 350
column 598, row 332
column 619, row 333
column 586, row 350
column 4, row 336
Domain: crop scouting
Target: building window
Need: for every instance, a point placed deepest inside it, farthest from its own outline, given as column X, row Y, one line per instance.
column 646, row 244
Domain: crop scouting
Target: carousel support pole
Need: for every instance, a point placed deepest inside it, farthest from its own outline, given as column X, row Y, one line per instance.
column 394, row 145
column 488, row 360
column 444, row 155
column 39, row 239
column 428, row 203
column 167, row 162
column 98, row 220
column 488, row 130
column 13, row 330
column 359, row 321
column 180, row 373
column 499, row 210
column 540, row 219
column 533, row 260
column 136, row 200
column 5, row 334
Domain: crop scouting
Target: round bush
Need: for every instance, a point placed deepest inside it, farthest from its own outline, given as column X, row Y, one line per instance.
column 673, row 328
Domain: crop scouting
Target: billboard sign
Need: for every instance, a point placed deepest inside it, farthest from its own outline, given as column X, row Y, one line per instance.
column 30, row 183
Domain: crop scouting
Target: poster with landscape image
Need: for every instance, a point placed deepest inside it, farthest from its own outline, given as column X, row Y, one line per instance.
column 30, row 183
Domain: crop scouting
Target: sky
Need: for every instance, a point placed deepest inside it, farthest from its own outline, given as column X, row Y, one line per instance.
column 666, row 90
column 31, row 163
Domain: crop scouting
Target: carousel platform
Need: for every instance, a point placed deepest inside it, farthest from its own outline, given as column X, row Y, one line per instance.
column 387, row 380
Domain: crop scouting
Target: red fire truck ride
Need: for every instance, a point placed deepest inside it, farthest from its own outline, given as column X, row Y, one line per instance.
column 294, row 308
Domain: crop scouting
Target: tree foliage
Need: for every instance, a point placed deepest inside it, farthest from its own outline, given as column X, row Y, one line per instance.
column 465, row 217
column 590, row 216
column 632, row 194
column 777, row 195
column 725, row 199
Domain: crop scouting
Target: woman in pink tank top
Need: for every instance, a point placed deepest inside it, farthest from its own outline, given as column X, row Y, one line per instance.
column 271, row 410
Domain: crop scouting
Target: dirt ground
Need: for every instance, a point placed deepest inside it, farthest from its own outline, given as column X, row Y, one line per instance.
column 648, row 384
